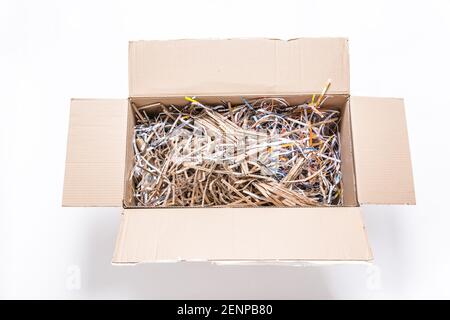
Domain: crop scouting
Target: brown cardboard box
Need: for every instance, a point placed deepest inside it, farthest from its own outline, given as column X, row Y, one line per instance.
column 376, row 162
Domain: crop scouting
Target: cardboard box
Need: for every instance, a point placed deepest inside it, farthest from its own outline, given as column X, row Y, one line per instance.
column 376, row 162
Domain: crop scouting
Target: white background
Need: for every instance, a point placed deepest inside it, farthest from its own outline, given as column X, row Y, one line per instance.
column 53, row 50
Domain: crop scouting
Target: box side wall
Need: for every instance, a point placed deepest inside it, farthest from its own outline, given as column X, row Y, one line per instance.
column 128, row 188
column 347, row 160
column 332, row 100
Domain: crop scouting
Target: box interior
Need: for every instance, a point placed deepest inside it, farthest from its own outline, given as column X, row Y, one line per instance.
column 340, row 102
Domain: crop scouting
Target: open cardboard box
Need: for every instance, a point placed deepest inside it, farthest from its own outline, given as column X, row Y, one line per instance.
column 376, row 165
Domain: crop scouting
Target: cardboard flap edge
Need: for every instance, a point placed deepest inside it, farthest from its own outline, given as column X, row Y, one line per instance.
column 233, row 234
column 240, row 66
column 381, row 151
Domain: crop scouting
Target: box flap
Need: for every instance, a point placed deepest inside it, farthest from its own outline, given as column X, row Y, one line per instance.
column 95, row 153
column 381, row 151
column 225, row 234
column 238, row 66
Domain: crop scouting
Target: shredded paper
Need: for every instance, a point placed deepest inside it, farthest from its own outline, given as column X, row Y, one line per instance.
column 262, row 152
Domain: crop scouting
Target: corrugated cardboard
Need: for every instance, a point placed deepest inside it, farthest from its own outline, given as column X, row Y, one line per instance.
column 381, row 147
column 262, row 234
column 237, row 66
column 374, row 146
column 95, row 153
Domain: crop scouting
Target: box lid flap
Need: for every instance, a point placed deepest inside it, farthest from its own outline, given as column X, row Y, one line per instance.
column 238, row 66
column 381, row 151
column 224, row 234
column 95, row 153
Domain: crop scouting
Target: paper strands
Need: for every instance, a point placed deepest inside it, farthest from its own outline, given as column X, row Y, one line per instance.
column 262, row 152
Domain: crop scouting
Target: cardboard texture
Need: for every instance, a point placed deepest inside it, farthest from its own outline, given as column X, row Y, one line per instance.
column 375, row 157
column 237, row 66
column 381, row 151
column 263, row 234
column 95, row 153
